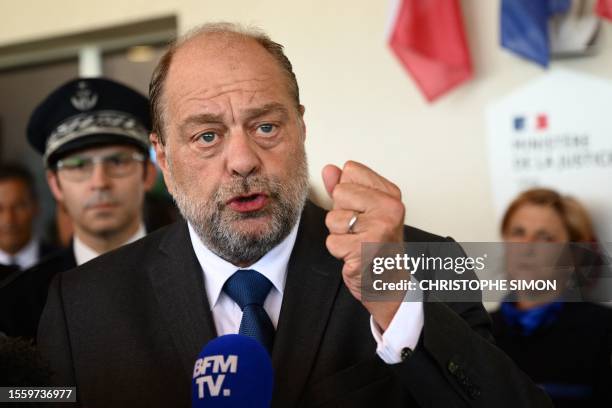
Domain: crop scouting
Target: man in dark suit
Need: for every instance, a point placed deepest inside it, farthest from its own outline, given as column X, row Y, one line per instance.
column 6, row 271
column 20, row 248
column 93, row 135
column 255, row 257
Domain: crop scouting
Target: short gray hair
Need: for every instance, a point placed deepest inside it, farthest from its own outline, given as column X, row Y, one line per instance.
column 160, row 73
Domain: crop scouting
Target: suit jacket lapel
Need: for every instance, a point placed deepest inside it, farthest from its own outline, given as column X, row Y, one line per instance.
column 313, row 280
column 178, row 284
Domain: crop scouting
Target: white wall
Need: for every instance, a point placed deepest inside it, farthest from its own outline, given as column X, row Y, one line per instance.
column 360, row 104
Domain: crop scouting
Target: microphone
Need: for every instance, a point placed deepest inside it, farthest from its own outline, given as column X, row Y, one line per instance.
column 232, row 371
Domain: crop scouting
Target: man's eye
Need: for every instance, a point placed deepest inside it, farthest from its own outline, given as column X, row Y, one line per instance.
column 266, row 128
column 118, row 160
column 75, row 164
column 207, row 137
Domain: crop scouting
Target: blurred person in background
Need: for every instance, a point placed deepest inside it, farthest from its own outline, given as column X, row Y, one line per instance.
column 94, row 137
column 565, row 346
column 20, row 248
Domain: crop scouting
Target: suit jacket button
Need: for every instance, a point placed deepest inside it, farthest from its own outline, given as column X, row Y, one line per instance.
column 406, row 352
column 453, row 367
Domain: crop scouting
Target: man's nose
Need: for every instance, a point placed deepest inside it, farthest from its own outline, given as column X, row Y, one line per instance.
column 99, row 178
column 242, row 155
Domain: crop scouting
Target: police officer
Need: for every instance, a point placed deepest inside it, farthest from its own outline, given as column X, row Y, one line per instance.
column 93, row 136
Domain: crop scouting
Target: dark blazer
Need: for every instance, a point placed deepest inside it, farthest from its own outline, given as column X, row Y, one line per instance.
column 9, row 273
column 6, row 272
column 127, row 327
column 571, row 357
column 23, row 298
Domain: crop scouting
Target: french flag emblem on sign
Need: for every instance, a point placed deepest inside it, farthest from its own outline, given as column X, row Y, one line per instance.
column 538, row 122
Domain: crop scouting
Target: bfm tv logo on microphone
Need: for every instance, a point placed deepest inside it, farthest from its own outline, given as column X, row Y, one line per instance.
column 220, row 381
column 206, row 369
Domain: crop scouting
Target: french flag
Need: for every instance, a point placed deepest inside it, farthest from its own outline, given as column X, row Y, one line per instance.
column 524, row 27
column 428, row 38
column 603, row 8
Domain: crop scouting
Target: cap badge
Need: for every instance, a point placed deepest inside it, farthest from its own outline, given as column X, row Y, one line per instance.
column 84, row 99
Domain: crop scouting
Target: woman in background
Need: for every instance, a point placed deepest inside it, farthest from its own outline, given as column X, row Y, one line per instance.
column 566, row 347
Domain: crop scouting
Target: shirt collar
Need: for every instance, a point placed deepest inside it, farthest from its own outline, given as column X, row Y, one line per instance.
column 26, row 257
column 273, row 265
column 83, row 253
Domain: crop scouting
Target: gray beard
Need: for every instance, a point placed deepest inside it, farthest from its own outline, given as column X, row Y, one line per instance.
column 212, row 220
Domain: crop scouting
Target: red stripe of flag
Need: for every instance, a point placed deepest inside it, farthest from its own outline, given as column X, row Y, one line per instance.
column 429, row 40
column 603, row 8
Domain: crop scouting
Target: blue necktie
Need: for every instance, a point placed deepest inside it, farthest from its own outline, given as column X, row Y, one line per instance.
column 249, row 289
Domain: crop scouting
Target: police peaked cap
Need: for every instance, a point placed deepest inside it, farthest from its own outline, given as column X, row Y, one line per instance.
column 89, row 112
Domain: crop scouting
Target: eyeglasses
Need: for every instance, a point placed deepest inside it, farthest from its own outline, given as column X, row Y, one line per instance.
column 80, row 168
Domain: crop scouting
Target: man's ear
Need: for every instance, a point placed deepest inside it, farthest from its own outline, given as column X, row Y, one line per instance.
column 55, row 186
column 160, row 151
column 150, row 175
column 302, row 110
column 36, row 208
column 160, row 157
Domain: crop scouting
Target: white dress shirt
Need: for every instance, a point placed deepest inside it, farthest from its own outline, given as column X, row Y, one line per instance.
column 83, row 253
column 273, row 265
column 26, row 257
column 403, row 331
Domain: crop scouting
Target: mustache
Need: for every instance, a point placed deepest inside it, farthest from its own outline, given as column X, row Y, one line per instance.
column 101, row 198
column 246, row 185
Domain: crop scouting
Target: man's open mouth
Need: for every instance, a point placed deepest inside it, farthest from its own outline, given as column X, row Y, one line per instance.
column 248, row 202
